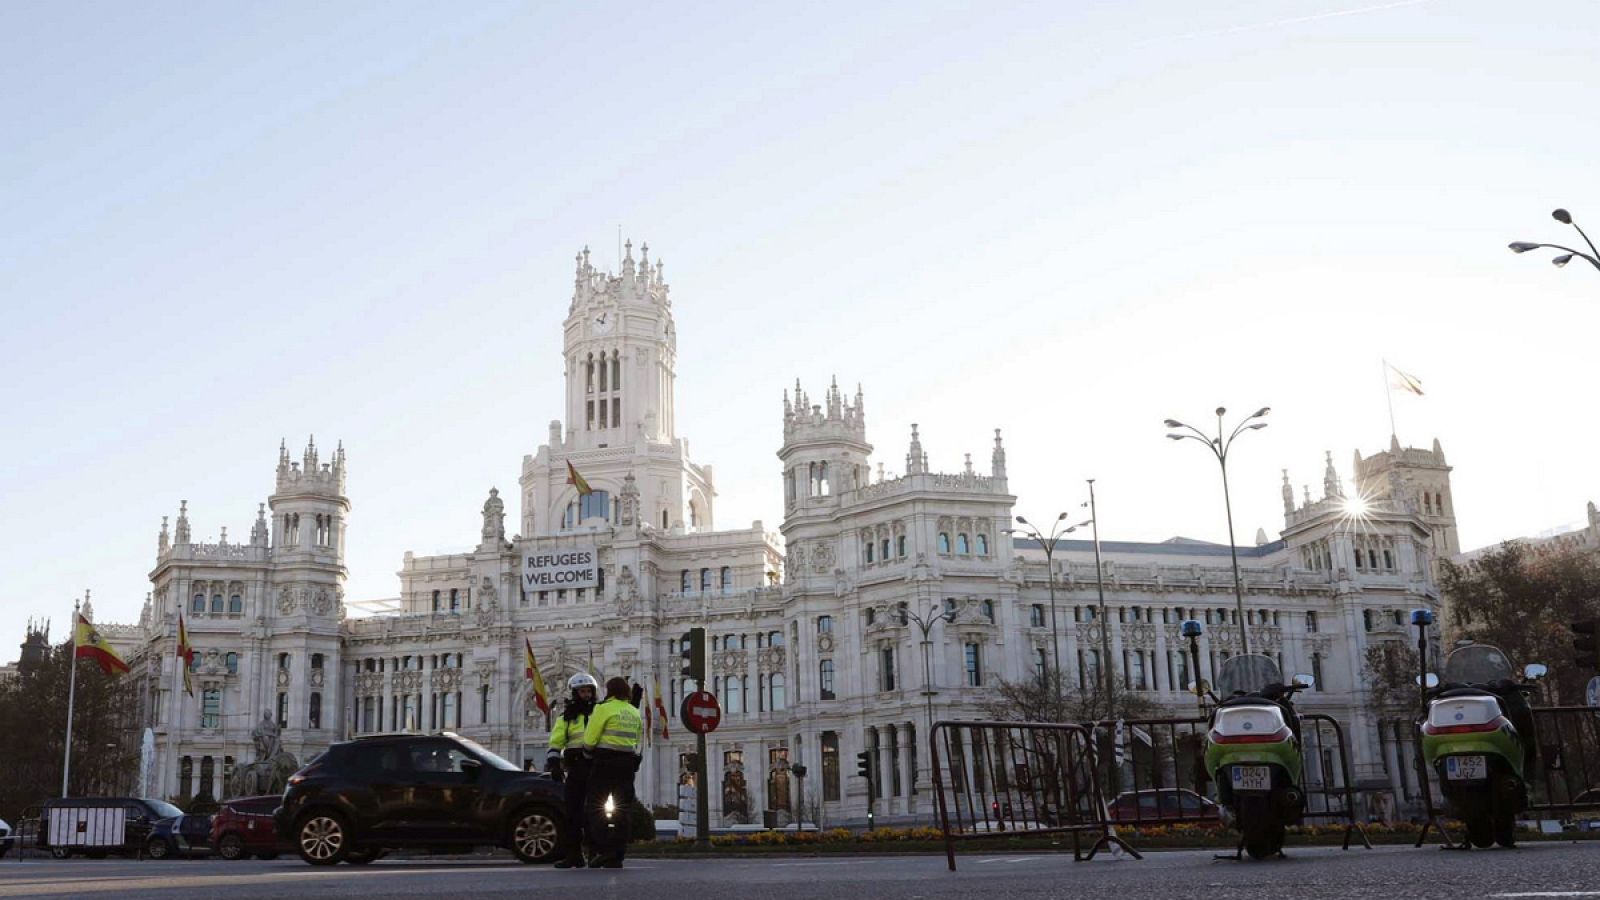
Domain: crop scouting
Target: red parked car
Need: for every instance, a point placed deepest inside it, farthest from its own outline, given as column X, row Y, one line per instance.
column 243, row 828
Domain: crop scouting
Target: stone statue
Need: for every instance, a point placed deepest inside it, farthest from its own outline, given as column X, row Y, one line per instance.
column 270, row 772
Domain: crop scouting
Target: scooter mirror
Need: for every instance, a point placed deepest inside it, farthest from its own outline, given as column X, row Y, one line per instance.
column 1302, row 680
column 1431, row 681
column 1535, row 671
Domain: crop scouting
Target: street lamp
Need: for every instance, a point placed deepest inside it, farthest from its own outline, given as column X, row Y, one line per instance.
column 1058, row 530
column 1105, row 624
column 925, row 622
column 1565, row 218
column 1219, row 447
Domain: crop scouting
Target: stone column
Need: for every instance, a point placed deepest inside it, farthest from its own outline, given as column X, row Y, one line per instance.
column 909, row 754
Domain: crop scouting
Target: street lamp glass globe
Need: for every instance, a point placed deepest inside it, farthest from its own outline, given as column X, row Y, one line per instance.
column 1174, row 437
column 1261, row 412
column 1562, row 260
column 1562, row 216
column 1258, row 425
column 1022, row 520
column 1173, row 423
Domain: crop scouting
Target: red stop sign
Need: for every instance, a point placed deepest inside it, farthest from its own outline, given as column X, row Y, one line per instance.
column 700, row 712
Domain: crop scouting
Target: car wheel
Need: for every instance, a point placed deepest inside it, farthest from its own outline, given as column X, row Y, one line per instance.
column 323, row 838
column 535, row 835
column 60, row 852
column 157, row 848
column 231, row 847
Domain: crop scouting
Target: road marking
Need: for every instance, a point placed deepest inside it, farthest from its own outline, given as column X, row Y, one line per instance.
column 831, row 862
column 1009, row 859
column 1550, row 894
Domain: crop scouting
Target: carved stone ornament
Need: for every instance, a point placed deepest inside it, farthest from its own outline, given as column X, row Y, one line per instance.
column 283, row 678
column 825, row 643
column 821, row 557
column 321, row 603
column 316, row 678
column 286, row 601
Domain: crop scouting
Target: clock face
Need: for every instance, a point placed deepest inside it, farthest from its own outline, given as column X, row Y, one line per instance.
column 603, row 322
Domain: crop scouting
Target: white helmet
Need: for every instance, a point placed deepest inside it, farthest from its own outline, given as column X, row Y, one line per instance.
column 582, row 680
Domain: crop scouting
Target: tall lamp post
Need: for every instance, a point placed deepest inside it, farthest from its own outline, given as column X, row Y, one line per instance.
column 925, row 622
column 1565, row 218
column 1105, row 625
column 1057, row 531
column 1219, row 447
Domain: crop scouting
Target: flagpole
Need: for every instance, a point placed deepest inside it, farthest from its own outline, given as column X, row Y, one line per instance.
column 173, row 710
column 72, row 696
column 1388, row 395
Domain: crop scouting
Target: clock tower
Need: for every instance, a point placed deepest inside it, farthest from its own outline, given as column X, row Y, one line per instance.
column 620, row 352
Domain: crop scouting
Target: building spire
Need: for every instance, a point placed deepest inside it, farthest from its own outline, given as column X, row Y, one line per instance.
column 916, row 459
column 1288, row 494
column 997, row 465
column 181, row 534
column 1331, row 487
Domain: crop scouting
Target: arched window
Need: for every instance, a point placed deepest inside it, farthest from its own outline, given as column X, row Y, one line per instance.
column 825, row 679
column 235, row 604
column 705, row 579
column 216, row 603
column 455, row 599
column 315, row 711
column 199, row 605
column 663, row 520
column 900, row 546
column 727, row 577
column 683, row 581
column 569, row 518
column 885, row 548
column 777, row 699
column 435, row 601
column 824, row 624
column 944, row 542
column 594, row 505
column 588, row 368
column 988, row 609
column 232, row 662
column 866, row 550
column 1036, row 615
column 963, row 547
column 983, row 545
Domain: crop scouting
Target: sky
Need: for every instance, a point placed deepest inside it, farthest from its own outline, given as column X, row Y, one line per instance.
column 226, row 225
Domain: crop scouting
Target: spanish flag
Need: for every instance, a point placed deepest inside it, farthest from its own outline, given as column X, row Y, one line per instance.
column 1400, row 381
column 576, row 480
column 88, row 644
column 541, row 698
column 185, row 653
column 661, row 711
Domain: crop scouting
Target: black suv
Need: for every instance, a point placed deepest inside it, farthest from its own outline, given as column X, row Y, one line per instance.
column 371, row 794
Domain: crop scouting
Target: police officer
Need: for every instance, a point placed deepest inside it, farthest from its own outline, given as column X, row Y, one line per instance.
column 569, row 759
column 613, row 737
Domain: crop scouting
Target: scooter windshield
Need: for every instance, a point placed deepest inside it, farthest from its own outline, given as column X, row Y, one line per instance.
column 1477, row 664
column 1246, row 675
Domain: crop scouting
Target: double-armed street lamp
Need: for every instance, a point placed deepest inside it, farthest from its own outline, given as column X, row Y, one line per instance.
column 1058, row 530
column 1219, row 447
column 1567, row 253
column 925, row 622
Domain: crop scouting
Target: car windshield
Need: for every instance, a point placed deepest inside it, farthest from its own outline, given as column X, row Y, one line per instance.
column 1477, row 664
column 1247, row 675
column 489, row 756
column 163, row 809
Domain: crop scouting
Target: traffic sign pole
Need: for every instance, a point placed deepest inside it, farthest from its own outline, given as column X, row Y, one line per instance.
column 702, row 794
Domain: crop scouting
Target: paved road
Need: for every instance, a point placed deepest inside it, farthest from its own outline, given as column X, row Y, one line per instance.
column 1391, row 873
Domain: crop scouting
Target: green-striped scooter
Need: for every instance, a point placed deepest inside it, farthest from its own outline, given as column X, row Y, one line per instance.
column 1253, row 751
column 1478, row 739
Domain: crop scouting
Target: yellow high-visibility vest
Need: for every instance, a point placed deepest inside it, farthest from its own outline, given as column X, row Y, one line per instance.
column 569, row 735
column 615, row 725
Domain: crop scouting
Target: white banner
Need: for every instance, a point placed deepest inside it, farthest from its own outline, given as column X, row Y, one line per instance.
column 559, row 569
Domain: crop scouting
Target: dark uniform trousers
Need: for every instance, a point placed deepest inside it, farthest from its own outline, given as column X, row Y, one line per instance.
column 611, row 776
column 577, row 777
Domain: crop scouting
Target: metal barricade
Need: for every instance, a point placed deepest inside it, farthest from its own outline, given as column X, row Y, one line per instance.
column 1325, row 775
column 1566, row 776
column 1005, row 779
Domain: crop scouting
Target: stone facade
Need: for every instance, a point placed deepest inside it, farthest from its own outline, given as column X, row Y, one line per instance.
column 814, row 638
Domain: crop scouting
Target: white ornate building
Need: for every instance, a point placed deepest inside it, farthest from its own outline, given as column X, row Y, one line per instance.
column 809, row 652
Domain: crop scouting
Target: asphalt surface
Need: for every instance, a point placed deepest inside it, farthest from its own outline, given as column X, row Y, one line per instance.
column 1392, row 873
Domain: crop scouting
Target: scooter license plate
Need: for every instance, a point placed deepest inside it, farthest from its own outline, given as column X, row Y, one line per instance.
column 1466, row 768
column 1252, row 778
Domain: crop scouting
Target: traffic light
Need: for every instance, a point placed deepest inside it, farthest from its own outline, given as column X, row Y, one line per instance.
column 1587, row 643
column 692, row 647
column 864, row 764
